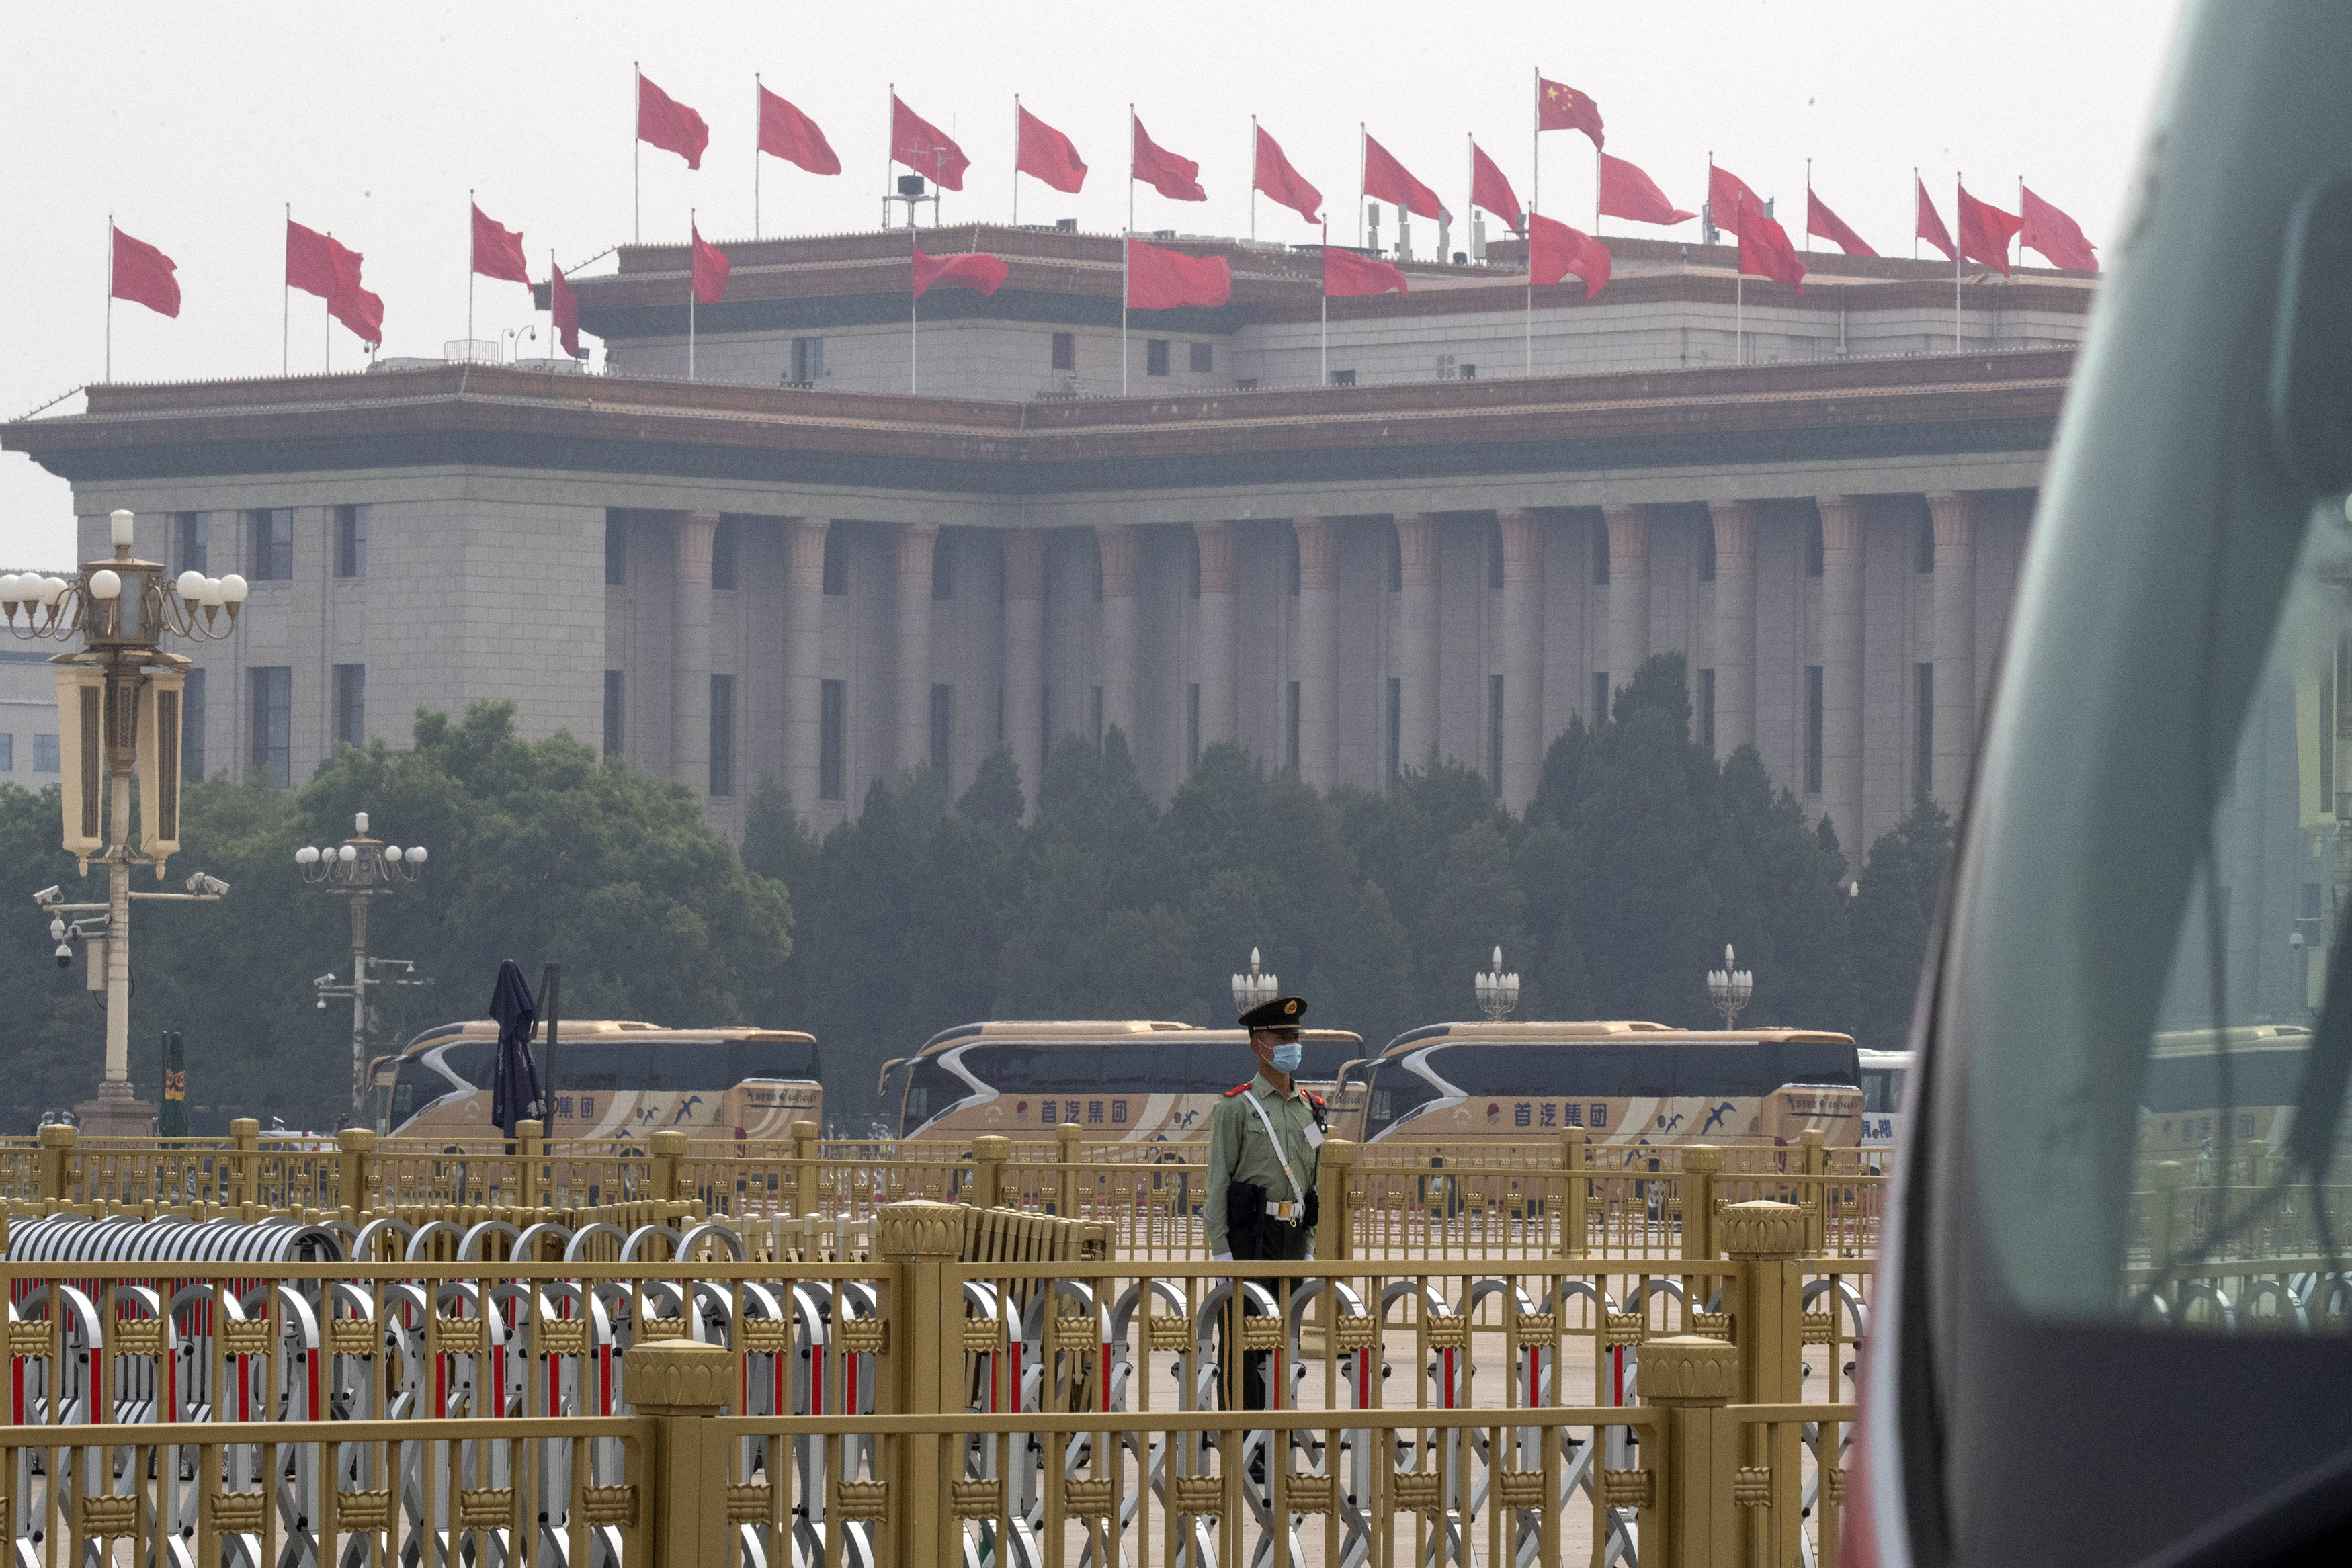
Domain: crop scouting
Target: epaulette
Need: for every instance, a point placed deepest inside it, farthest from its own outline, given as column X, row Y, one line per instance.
column 1236, row 1089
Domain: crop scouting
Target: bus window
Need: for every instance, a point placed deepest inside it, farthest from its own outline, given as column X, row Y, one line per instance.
column 771, row 1059
column 893, row 1087
column 1395, row 1091
column 1878, row 1088
column 681, row 1064
column 930, row 1088
column 1320, row 1060
column 592, row 1067
column 1812, row 1062
column 1127, row 1071
column 472, row 1059
column 413, row 1087
column 2194, row 1082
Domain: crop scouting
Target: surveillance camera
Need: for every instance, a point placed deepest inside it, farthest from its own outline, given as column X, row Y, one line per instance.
column 58, row 929
column 47, row 893
column 326, row 979
column 205, row 881
column 2294, row 940
column 65, row 955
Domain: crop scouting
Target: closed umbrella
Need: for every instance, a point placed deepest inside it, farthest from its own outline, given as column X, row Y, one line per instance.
column 515, row 1092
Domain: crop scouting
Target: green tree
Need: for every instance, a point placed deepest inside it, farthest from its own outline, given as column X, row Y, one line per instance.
column 1890, row 940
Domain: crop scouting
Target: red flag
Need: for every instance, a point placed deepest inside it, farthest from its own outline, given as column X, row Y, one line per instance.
column 142, row 275
column 2056, row 236
column 1931, row 226
column 1555, row 250
column 1985, row 232
column 317, row 265
column 1386, row 178
column 1727, row 197
column 917, row 144
column 1163, row 279
column 669, row 124
column 497, row 252
column 1046, row 154
column 1175, row 178
column 1489, row 190
column 361, row 311
column 972, row 269
column 1827, row 225
column 563, row 306
column 1627, row 193
column 1273, row 175
column 1559, row 107
column 1764, row 248
column 785, row 132
column 1346, row 273
column 710, row 270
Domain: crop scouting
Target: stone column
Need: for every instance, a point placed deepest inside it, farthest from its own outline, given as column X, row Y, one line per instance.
column 1522, row 660
column 1417, row 656
column 1122, row 632
column 1318, row 650
column 1842, row 530
column 1629, row 592
column 1954, row 515
column 1734, row 624
column 689, row 696
column 1024, row 656
column 803, row 613
column 1219, row 631
column 916, row 543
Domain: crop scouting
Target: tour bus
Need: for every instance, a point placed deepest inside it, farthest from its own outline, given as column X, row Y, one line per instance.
column 609, row 1079
column 1137, row 1080
column 1884, row 1075
column 1620, row 1082
column 2181, row 1098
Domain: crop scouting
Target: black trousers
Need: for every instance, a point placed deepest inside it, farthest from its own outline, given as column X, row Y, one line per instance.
column 1269, row 1240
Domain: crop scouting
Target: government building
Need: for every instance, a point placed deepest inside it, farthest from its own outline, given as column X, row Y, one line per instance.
column 853, row 543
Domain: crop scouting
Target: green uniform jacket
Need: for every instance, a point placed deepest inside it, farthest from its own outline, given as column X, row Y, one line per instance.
column 1238, row 1151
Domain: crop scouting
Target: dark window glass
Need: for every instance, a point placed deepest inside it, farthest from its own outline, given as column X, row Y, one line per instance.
column 1813, row 547
column 273, row 544
column 771, row 1059
column 1601, row 554
column 273, row 723
column 1191, row 728
column 942, row 730
column 930, row 1090
column 1923, row 549
column 1155, row 357
column 722, row 735
column 192, row 726
column 833, row 742
column 1812, row 729
column 616, row 549
column 1495, row 558
column 1707, row 553
column 1396, row 561
column 1204, row 358
column 615, row 713
column 1396, row 725
column 943, row 568
column 1290, row 563
column 1706, row 709
column 192, row 541
column 351, row 705
column 350, row 541
column 808, row 360
column 1599, row 695
column 1290, row 726
column 2263, row 1077
column 1923, row 761
column 1495, row 732
column 1065, row 350
column 725, row 541
column 836, row 562
column 1343, row 378
column 1191, row 564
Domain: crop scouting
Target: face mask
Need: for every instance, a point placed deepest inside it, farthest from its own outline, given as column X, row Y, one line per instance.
column 1287, row 1057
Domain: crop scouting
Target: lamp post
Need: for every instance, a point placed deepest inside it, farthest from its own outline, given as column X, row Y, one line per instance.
column 1498, row 992
column 361, row 869
column 1729, row 988
column 1254, row 988
column 119, row 712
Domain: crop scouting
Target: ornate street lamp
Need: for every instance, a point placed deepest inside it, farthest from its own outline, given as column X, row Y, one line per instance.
column 1499, row 993
column 363, row 869
column 1729, row 988
column 1251, row 989
column 119, row 712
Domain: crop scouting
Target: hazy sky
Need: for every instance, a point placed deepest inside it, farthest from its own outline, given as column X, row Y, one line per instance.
column 194, row 125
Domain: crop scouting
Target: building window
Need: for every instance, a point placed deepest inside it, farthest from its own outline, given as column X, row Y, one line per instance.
column 1096, row 704
column 273, row 723
column 351, row 705
column 942, row 730
column 350, row 541
column 44, row 754
column 1812, row 729
column 836, row 561
column 1191, row 564
column 1065, row 350
column 1097, row 560
column 192, row 541
column 1599, row 695
column 617, row 550
column 1923, row 762
column 1191, row 730
column 1204, row 358
column 943, row 568
column 833, row 742
column 1601, row 556
column 808, row 360
column 1923, row 545
column 722, row 735
column 615, row 713
column 1495, row 732
column 1706, row 709
column 1707, row 553
column 1813, row 549
column 1155, row 356
column 7, row 753
column 1343, row 378
column 725, row 539
column 273, row 544
column 1396, row 727
column 192, row 726
column 1290, row 563
column 1495, row 558
column 1468, row 372
column 1290, row 727
column 1396, row 561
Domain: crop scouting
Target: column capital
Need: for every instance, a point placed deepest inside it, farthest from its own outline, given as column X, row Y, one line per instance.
column 1842, row 518
column 691, row 533
column 1417, row 548
column 1629, row 536
column 1122, row 548
column 1220, row 562
column 1024, row 564
column 916, row 542
column 1318, row 551
column 1954, row 514
column 1522, row 529
column 1735, row 530
column 804, row 548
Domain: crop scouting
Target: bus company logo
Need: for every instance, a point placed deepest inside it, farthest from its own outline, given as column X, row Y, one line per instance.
column 1494, row 1115
column 1021, row 1110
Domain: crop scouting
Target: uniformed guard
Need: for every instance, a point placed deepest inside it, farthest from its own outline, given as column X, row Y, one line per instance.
column 1266, row 1139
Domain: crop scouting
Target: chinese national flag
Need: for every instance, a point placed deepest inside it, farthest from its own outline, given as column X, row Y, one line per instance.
column 1555, row 250
column 1161, row 280
column 1826, row 225
column 1178, row 179
column 669, row 124
column 143, row 275
column 1489, row 190
column 1728, row 197
column 1986, row 230
column 361, row 311
column 919, row 144
column 1344, row 273
column 785, row 132
column 1386, row 178
column 972, row 269
column 1627, row 193
column 563, row 309
column 317, row 265
column 710, row 270
column 1765, row 250
column 497, row 252
column 1046, row 154
column 1559, row 107
column 2056, row 236
column 1931, row 224
column 1274, row 176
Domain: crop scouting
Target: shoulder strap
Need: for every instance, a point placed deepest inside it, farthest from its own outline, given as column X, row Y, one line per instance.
column 1267, row 1123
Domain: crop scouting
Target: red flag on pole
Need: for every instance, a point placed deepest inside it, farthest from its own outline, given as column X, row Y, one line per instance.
column 1727, row 197
column 142, row 275
column 1559, row 107
column 1627, row 193
column 1386, row 179
column 971, row 269
column 1344, row 273
column 1175, row 178
column 919, row 144
column 317, row 265
column 1931, row 224
column 669, row 124
column 1555, row 250
column 1489, row 190
column 2057, row 236
column 710, row 270
column 785, row 132
column 1277, row 178
column 563, row 308
column 497, row 252
column 1161, row 280
column 1765, row 250
column 1048, row 154
column 1826, row 225
column 361, row 311
column 1986, row 230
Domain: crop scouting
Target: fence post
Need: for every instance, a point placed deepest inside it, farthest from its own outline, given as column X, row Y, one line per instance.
column 669, row 1147
column 1690, row 1379
column 1334, row 1229
column 1816, row 1197
column 1574, row 1185
column 682, row 1384
column 56, row 1159
column 1702, row 1163
column 989, row 1153
column 530, row 1147
column 2166, row 1179
column 244, row 1161
column 804, row 1177
column 1768, row 1325
column 358, row 1152
column 921, row 1372
column 1065, row 1182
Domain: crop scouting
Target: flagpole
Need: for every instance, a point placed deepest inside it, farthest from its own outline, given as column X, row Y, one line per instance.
column 914, row 316
column 286, row 313
column 755, row 154
column 1016, row 164
column 1535, row 163
column 1809, row 206
column 692, row 233
column 1126, row 250
column 554, row 342
column 110, row 298
column 469, row 278
column 2018, row 259
column 1958, row 186
column 1254, row 177
column 891, row 115
column 1130, row 169
column 1738, row 273
column 1325, row 292
column 1531, row 367
column 637, row 159
column 1470, row 172
column 1359, row 183
column 327, row 331
column 1915, row 189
